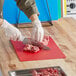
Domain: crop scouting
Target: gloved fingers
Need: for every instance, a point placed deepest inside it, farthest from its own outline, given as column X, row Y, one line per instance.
column 38, row 35
column 7, row 35
column 41, row 38
column 14, row 37
column 11, row 37
column 33, row 34
column 11, row 32
column 41, row 35
column 20, row 37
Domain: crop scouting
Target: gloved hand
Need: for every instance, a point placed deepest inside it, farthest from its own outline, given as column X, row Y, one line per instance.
column 12, row 32
column 38, row 32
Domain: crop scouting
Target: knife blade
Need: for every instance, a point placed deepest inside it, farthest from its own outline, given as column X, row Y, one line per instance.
column 35, row 43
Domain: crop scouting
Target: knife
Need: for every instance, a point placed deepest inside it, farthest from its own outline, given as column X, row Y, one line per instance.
column 35, row 43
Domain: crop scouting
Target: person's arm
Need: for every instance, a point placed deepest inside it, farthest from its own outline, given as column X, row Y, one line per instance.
column 1, row 13
column 10, row 31
column 1, row 22
column 1, row 8
column 30, row 9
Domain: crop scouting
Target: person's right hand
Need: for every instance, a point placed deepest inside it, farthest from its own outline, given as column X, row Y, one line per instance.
column 12, row 32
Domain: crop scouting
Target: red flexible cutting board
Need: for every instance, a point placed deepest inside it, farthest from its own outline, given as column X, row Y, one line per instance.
column 54, row 53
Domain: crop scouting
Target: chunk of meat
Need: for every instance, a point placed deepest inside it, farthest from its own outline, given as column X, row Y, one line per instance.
column 40, row 44
column 46, row 72
column 34, row 73
column 33, row 45
column 31, row 48
column 45, row 40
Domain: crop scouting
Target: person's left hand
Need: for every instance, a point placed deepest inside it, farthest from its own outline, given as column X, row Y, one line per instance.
column 38, row 32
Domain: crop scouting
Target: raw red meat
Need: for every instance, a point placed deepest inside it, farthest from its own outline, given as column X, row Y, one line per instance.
column 34, row 73
column 45, row 40
column 46, row 72
column 33, row 46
